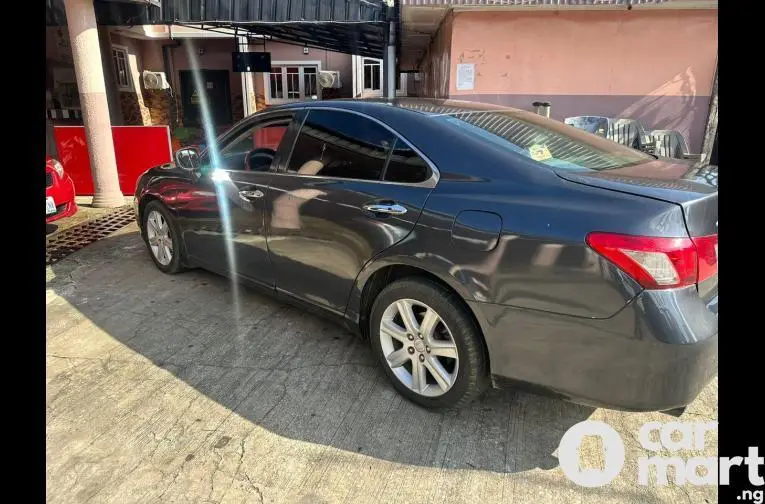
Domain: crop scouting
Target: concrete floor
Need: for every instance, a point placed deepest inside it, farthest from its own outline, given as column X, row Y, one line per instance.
column 156, row 394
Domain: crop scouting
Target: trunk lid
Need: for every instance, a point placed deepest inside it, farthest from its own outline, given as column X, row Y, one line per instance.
column 673, row 181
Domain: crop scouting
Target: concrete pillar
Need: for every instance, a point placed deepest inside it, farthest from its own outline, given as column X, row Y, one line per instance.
column 86, row 53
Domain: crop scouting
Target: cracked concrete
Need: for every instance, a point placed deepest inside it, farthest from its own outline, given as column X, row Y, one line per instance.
column 157, row 394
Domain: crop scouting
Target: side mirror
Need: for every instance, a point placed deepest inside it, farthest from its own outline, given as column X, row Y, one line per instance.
column 187, row 158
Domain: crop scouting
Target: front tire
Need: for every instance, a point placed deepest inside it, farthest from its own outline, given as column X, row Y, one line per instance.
column 428, row 344
column 162, row 238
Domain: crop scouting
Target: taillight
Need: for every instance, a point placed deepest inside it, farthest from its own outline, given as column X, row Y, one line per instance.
column 659, row 263
column 706, row 248
column 58, row 167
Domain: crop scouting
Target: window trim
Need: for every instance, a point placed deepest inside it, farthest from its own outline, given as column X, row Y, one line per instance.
column 430, row 182
column 123, row 49
column 300, row 64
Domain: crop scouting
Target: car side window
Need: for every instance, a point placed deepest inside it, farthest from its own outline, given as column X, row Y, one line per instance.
column 340, row 144
column 405, row 165
column 254, row 148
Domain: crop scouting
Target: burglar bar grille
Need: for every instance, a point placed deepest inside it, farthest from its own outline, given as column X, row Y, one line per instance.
column 71, row 240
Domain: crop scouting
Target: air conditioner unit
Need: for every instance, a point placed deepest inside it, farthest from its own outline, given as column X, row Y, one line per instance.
column 155, row 80
column 329, row 79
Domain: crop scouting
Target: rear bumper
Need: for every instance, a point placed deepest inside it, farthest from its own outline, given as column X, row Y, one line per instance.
column 656, row 354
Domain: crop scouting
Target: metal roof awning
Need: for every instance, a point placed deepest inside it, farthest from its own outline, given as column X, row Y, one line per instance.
column 364, row 39
column 348, row 26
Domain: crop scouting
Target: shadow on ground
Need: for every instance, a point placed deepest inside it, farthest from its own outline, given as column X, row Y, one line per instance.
column 300, row 376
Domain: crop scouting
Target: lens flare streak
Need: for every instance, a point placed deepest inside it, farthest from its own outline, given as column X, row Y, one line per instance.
column 223, row 183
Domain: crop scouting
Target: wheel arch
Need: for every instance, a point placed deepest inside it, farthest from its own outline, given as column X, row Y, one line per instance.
column 143, row 203
column 145, row 200
column 376, row 278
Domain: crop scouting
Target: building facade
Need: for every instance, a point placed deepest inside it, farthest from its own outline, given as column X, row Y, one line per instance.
column 650, row 61
column 179, row 53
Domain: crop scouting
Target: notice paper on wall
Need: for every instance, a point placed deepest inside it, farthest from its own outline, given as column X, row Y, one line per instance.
column 465, row 76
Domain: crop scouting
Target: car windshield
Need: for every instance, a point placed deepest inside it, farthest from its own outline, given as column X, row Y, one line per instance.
column 543, row 140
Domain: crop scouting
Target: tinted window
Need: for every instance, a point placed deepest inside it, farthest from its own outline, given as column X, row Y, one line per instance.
column 405, row 165
column 544, row 140
column 340, row 144
column 265, row 137
column 590, row 124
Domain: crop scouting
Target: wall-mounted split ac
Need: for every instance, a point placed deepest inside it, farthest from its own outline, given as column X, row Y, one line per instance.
column 155, row 80
column 329, row 79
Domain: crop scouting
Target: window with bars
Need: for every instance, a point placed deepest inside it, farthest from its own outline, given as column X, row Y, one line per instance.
column 122, row 68
column 292, row 82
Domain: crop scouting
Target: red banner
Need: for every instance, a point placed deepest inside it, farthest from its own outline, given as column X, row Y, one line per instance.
column 137, row 148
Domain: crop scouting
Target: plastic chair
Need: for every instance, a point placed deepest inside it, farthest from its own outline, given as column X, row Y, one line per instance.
column 669, row 143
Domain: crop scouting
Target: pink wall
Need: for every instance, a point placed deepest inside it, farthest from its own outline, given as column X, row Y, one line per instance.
column 656, row 65
column 602, row 52
column 151, row 55
column 436, row 64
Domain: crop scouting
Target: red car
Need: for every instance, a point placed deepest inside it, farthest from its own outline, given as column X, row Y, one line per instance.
column 59, row 192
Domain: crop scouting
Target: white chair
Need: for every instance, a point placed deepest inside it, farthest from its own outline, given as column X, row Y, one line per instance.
column 669, row 143
column 629, row 132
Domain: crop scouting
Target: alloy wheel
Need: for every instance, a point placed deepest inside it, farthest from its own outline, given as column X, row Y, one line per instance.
column 158, row 235
column 419, row 347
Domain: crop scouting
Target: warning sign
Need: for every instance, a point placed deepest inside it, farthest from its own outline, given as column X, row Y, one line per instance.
column 195, row 97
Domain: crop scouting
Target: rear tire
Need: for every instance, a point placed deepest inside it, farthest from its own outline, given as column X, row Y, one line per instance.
column 451, row 349
column 163, row 241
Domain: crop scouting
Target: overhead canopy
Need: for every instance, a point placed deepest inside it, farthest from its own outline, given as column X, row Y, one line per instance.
column 108, row 13
column 348, row 26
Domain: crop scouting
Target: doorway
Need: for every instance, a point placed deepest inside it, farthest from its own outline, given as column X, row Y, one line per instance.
column 216, row 88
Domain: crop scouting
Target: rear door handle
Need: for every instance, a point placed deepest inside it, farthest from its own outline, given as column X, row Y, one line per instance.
column 251, row 194
column 385, row 208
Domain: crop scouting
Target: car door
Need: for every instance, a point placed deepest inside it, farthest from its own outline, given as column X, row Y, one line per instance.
column 349, row 189
column 227, row 232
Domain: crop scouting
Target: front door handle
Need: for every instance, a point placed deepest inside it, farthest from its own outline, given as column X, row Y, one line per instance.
column 385, row 208
column 251, row 194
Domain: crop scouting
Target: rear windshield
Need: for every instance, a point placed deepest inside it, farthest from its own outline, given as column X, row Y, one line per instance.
column 590, row 124
column 544, row 140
